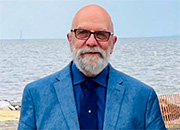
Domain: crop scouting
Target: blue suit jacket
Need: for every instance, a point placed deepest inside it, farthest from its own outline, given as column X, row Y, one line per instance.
column 49, row 104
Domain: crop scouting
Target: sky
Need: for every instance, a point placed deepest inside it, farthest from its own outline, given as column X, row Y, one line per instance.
column 51, row 19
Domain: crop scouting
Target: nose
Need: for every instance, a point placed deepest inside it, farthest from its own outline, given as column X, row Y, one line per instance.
column 91, row 41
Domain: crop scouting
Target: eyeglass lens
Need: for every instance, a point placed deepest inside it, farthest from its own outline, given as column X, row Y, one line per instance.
column 85, row 34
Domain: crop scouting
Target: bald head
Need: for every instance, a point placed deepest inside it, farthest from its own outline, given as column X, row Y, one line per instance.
column 92, row 17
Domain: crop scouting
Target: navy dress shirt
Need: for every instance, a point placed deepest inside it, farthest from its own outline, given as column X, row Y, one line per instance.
column 102, row 80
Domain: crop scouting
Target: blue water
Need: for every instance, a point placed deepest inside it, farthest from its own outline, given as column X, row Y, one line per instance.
column 155, row 61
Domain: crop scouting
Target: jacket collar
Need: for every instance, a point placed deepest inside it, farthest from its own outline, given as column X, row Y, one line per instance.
column 114, row 99
column 65, row 95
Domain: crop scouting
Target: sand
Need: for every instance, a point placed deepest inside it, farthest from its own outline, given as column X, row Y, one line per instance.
column 9, row 119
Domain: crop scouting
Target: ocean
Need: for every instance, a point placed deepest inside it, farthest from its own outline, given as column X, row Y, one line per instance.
column 154, row 61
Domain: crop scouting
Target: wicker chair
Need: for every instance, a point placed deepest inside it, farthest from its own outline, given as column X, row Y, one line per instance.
column 170, row 108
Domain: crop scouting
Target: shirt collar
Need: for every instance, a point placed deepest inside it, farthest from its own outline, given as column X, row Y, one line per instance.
column 79, row 77
column 102, row 78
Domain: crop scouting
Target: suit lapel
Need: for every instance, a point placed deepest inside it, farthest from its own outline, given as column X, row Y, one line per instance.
column 65, row 94
column 115, row 94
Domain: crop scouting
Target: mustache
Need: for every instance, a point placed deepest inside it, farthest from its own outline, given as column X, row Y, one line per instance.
column 92, row 50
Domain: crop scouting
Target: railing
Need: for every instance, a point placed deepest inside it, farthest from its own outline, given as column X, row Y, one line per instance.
column 170, row 109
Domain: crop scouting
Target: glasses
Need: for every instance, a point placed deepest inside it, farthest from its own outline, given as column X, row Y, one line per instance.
column 101, row 36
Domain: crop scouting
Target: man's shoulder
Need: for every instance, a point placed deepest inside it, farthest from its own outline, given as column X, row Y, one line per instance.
column 128, row 81
column 48, row 80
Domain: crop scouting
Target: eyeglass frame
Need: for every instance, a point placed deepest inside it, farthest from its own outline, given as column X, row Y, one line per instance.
column 94, row 33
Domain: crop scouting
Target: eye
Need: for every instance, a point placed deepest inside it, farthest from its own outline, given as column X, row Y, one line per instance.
column 102, row 35
column 82, row 33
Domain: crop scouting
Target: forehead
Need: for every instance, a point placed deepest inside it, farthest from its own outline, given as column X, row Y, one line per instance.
column 92, row 18
column 92, row 24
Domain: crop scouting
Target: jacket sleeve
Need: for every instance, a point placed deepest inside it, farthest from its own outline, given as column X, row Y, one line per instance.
column 27, row 117
column 154, row 118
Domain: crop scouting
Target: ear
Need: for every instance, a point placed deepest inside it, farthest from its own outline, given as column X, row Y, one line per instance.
column 114, row 40
column 69, row 37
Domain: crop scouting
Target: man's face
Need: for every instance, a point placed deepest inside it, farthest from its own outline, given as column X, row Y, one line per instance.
column 91, row 55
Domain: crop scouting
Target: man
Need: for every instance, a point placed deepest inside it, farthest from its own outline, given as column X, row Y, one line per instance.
column 89, row 93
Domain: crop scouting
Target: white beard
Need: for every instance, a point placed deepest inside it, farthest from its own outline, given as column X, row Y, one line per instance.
column 91, row 65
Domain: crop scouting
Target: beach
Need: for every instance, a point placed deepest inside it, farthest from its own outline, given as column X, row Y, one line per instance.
column 9, row 119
